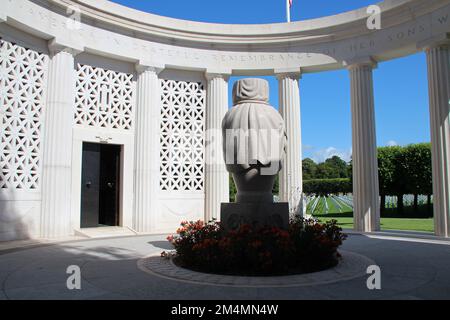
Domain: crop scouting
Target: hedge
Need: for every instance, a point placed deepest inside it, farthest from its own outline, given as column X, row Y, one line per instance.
column 324, row 187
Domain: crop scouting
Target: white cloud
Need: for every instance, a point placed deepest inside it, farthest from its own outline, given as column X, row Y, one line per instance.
column 320, row 155
column 392, row 143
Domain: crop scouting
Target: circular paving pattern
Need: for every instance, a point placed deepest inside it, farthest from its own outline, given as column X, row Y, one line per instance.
column 351, row 266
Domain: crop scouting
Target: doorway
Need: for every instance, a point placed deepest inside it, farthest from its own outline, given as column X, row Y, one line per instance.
column 100, row 185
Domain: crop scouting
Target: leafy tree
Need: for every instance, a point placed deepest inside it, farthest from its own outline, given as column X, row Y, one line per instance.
column 332, row 168
column 405, row 170
column 417, row 164
column 387, row 166
column 339, row 166
column 233, row 190
column 326, row 171
column 276, row 186
column 309, row 169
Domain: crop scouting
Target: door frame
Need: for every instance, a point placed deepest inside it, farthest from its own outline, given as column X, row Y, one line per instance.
column 126, row 141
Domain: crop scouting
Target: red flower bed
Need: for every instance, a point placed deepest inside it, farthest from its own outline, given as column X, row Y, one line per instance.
column 307, row 246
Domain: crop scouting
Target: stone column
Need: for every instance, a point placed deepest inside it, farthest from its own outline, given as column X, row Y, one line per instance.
column 366, row 205
column 216, row 177
column 291, row 184
column 57, row 143
column 148, row 114
column 439, row 92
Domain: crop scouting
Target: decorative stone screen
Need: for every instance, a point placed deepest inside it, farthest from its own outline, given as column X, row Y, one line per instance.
column 22, row 87
column 104, row 98
column 182, row 135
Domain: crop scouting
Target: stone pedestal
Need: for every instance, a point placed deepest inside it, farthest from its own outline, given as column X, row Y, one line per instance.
column 234, row 215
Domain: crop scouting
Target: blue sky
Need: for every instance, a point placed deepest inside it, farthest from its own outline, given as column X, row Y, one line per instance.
column 401, row 95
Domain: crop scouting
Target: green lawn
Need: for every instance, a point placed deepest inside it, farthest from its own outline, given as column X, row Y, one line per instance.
column 392, row 220
column 345, row 220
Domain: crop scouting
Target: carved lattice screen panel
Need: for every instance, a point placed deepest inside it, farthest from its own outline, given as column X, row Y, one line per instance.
column 22, row 94
column 104, row 98
column 182, row 135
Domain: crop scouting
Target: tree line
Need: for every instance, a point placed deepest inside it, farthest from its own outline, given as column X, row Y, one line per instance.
column 332, row 176
column 405, row 170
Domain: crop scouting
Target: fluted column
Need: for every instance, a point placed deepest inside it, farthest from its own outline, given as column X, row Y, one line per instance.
column 365, row 163
column 439, row 92
column 216, row 178
column 57, row 144
column 148, row 113
column 291, row 184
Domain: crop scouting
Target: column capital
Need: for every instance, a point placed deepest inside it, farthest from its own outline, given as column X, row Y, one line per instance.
column 360, row 62
column 440, row 40
column 292, row 73
column 211, row 74
column 56, row 45
column 144, row 66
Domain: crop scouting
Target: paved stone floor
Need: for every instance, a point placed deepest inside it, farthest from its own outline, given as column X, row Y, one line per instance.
column 412, row 268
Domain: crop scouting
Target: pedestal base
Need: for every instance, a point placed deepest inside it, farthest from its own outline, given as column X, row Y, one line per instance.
column 234, row 215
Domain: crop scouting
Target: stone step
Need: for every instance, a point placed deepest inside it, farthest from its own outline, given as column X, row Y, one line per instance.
column 105, row 232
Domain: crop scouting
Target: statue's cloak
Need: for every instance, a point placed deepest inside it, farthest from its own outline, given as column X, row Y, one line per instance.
column 253, row 132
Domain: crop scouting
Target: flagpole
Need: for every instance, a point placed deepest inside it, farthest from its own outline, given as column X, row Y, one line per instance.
column 288, row 11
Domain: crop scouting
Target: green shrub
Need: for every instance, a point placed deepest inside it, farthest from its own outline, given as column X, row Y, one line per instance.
column 325, row 187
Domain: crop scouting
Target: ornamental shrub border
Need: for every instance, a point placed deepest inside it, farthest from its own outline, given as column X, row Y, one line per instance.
column 306, row 246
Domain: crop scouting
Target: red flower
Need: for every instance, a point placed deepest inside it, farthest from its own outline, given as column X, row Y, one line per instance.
column 256, row 244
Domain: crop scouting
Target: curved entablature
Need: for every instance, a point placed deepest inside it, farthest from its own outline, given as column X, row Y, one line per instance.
column 338, row 26
column 122, row 33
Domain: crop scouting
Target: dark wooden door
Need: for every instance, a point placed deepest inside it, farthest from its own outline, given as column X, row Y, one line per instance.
column 90, row 185
column 109, row 185
column 100, row 185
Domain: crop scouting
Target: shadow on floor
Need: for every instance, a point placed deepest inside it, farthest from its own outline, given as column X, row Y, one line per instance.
column 162, row 245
